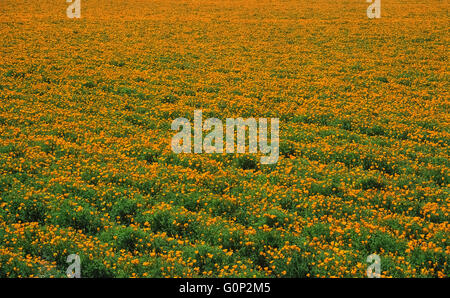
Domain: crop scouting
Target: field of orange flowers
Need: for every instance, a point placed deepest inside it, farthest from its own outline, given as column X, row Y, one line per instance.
column 85, row 160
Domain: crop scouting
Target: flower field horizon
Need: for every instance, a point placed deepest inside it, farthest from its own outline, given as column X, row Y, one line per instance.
column 86, row 165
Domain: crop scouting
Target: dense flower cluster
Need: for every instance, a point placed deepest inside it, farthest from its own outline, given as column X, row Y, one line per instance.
column 85, row 160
